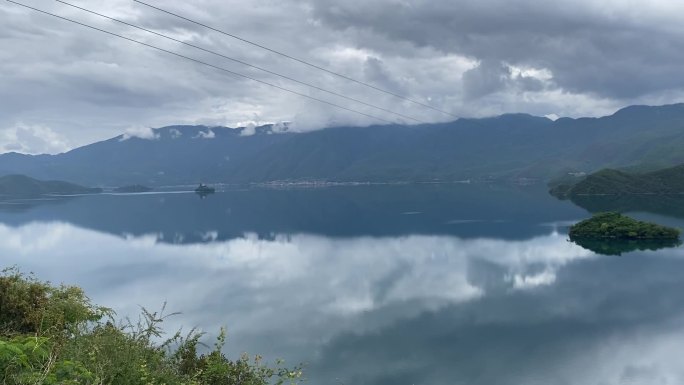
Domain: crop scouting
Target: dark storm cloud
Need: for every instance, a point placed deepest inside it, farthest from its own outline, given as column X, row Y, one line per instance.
column 484, row 79
column 615, row 49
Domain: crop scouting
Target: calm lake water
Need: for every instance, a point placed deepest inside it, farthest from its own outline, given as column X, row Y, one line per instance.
column 430, row 284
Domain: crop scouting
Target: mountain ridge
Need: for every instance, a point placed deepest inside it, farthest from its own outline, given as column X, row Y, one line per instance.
column 505, row 147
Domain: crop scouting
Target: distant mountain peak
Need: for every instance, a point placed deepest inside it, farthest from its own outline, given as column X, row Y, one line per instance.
column 644, row 109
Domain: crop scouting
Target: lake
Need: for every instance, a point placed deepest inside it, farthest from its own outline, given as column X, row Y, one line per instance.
column 405, row 284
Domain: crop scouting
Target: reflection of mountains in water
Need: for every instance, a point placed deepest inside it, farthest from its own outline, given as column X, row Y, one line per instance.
column 466, row 211
column 665, row 204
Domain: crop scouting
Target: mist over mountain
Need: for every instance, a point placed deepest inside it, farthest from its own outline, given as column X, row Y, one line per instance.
column 506, row 147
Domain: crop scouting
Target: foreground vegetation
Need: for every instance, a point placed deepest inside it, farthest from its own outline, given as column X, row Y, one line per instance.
column 54, row 335
column 617, row 226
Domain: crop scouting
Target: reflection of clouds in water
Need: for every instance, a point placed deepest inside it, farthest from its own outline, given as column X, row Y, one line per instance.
column 349, row 271
column 521, row 281
column 315, row 298
column 330, row 277
column 556, row 225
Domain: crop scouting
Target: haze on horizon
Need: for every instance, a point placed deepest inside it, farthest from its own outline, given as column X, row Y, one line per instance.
column 64, row 86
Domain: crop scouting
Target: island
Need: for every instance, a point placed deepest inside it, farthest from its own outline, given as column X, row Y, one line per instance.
column 611, row 233
column 22, row 186
column 135, row 188
column 616, row 182
column 612, row 225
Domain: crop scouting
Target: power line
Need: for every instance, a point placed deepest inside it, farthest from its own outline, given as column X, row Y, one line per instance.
column 203, row 63
column 297, row 59
column 242, row 62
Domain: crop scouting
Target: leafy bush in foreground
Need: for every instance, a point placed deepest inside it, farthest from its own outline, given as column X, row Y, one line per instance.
column 55, row 335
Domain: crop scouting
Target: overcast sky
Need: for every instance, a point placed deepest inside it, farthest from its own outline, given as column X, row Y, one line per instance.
column 63, row 85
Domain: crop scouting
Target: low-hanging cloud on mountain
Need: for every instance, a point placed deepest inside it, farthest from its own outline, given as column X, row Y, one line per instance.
column 140, row 132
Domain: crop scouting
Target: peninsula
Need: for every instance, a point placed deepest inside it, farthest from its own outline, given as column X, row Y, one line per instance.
column 22, row 186
column 615, row 182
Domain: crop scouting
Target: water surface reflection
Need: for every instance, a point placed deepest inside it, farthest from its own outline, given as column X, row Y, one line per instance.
column 409, row 309
column 468, row 284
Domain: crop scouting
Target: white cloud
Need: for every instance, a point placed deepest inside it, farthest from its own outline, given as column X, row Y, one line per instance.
column 281, row 127
column 208, row 134
column 248, row 129
column 140, row 132
column 32, row 139
column 175, row 134
column 523, row 281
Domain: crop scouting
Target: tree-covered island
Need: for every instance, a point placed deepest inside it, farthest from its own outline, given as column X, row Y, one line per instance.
column 613, row 225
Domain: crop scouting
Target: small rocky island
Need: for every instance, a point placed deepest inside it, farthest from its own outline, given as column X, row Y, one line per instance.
column 612, row 225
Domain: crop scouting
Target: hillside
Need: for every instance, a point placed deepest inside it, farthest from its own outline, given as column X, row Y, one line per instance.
column 615, row 182
column 506, row 147
column 21, row 186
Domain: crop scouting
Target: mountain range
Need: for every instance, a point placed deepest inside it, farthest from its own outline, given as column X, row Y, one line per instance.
column 507, row 147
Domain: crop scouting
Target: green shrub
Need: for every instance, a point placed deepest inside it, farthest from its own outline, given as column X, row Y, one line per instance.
column 28, row 306
column 53, row 335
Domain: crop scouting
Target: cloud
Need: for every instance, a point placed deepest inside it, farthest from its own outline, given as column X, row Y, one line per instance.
column 175, row 134
column 208, row 134
column 589, row 48
column 376, row 72
column 486, row 78
column 281, row 127
column 32, row 139
column 248, row 129
column 471, row 58
column 140, row 132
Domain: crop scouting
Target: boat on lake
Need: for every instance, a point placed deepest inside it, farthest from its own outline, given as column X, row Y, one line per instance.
column 203, row 189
